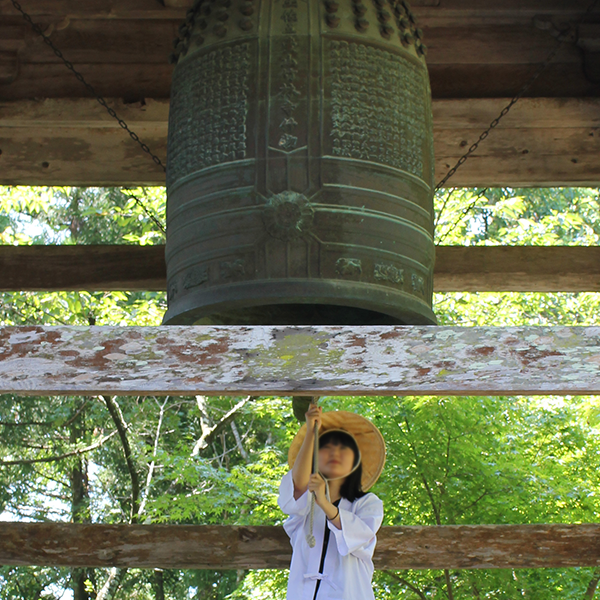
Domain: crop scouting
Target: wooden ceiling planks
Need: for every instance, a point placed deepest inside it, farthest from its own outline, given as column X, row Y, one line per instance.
column 480, row 54
column 473, row 51
column 542, row 141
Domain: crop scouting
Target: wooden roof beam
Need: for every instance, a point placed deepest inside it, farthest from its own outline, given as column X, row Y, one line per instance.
column 326, row 360
column 457, row 268
column 541, row 142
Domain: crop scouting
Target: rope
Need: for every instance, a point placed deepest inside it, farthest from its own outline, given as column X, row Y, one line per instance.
column 310, row 538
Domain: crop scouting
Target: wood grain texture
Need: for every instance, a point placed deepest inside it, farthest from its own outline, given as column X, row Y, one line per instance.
column 476, row 49
column 231, row 547
column 457, row 268
column 517, row 269
column 386, row 360
column 504, row 10
column 76, row 140
column 56, row 10
column 550, row 141
column 87, row 268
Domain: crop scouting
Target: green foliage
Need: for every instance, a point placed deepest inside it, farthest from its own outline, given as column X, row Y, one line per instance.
column 82, row 308
column 519, row 217
column 450, row 460
column 26, row 583
column 82, row 215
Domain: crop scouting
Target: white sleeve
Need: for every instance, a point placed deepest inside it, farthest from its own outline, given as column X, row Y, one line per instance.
column 288, row 504
column 359, row 526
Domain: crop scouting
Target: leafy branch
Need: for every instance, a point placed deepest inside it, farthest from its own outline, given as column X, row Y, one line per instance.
column 210, row 433
column 78, row 452
column 406, row 583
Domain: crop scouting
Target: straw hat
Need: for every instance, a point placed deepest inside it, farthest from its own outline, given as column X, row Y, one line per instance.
column 368, row 439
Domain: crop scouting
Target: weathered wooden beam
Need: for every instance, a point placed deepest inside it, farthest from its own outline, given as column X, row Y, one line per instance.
column 505, row 11
column 488, row 48
column 230, row 547
column 541, row 142
column 86, row 268
column 76, row 142
column 56, row 10
column 457, row 268
column 384, row 360
column 548, row 141
column 517, row 269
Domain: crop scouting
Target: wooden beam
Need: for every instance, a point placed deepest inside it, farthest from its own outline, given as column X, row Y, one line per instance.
column 517, row 269
column 505, row 11
column 76, row 141
column 457, row 268
column 384, row 360
column 541, row 142
column 85, row 268
column 549, row 141
column 231, row 547
column 46, row 11
column 476, row 49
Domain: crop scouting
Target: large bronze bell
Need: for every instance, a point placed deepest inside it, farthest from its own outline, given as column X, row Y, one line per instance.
column 300, row 165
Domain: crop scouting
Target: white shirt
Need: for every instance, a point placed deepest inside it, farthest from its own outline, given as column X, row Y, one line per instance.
column 348, row 568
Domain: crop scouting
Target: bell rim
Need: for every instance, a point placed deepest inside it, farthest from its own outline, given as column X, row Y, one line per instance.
column 397, row 304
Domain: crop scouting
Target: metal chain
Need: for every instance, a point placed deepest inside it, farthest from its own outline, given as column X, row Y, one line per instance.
column 89, row 87
column 126, row 192
column 507, row 108
column 463, row 214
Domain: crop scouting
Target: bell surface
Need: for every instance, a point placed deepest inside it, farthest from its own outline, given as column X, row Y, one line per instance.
column 300, row 166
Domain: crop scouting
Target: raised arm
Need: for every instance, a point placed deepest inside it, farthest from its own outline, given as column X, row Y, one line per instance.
column 303, row 465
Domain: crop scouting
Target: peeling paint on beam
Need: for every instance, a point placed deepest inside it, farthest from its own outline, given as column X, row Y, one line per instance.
column 267, row 547
column 416, row 360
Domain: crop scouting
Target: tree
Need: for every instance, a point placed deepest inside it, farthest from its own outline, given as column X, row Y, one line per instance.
column 219, row 460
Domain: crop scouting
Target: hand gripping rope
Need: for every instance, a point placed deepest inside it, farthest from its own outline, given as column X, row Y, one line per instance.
column 310, row 538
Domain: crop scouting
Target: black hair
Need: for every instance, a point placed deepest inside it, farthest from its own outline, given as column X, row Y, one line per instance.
column 351, row 488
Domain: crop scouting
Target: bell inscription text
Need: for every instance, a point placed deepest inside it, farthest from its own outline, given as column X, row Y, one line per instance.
column 300, row 166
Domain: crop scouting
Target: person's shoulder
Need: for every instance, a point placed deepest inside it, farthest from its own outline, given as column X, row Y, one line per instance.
column 369, row 500
column 369, row 497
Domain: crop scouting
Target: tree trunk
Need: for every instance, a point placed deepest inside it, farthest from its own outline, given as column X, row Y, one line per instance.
column 79, row 496
column 592, row 586
column 158, row 584
column 448, row 584
column 111, row 585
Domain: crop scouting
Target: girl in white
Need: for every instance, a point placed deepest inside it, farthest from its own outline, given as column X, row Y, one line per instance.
column 339, row 564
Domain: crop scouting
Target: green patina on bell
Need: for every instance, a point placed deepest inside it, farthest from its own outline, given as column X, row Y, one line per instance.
column 300, row 166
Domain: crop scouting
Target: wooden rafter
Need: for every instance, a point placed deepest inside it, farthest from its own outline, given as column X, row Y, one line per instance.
column 89, row 268
column 481, row 52
column 477, row 48
column 230, row 547
column 74, row 141
column 384, row 360
column 457, row 268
